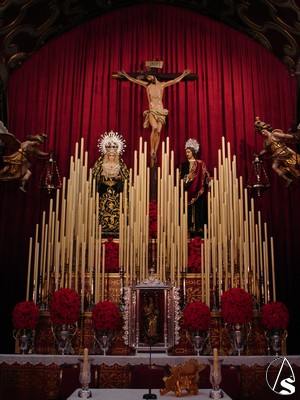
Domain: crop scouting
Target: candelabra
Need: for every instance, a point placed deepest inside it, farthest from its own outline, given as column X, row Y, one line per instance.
column 258, row 178
column 50, row 178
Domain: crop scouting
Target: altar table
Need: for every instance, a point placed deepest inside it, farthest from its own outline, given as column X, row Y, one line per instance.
column 137, row 394
column 53, row 377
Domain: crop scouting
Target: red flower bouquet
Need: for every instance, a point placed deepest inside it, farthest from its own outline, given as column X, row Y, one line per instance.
column 194, row 254
column 106, row 317
column 236, row 306
column 274, row 316
column 111, row 256
column 197, row 317
column 153, row 219
column 65, row 306
column 25, row 315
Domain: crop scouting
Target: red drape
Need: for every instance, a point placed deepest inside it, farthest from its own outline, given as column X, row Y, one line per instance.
column 66, row 90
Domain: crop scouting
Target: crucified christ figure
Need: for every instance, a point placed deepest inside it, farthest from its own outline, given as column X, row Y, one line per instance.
column 156, row 115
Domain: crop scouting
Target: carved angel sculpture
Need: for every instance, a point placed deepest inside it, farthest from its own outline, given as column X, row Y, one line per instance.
column 16, row 166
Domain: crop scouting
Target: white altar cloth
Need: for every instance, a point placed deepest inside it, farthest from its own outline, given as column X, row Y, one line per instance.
column 157, row 359
column 137, row 394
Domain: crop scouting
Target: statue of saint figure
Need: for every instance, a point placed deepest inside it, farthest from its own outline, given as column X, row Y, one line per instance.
column 285, row 160
column 196, row 179
column 150, row 321
column 16, row 166
column 110, row 173
column 155, row 117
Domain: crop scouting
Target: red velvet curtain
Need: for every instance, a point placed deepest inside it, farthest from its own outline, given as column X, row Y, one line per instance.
column 66, row 90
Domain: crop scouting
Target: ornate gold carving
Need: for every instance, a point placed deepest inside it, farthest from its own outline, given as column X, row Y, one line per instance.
column 273, row 23
column 183, row 377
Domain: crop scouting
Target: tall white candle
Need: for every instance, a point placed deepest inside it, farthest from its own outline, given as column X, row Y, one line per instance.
column 85, row 359
column 273, row 269
column 215, row 352
column 29, row 269
column 82, row 275
column 35, row 274
column 103, row 273
column 43, row 248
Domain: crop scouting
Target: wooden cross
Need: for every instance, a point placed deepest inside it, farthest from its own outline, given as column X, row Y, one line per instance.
column 154, row 67
column 154, row 82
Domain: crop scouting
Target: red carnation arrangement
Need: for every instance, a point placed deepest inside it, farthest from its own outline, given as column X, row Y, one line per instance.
column 25, row 315
column 194, row 254
column 236, row 306
column 65, row 306
column 153, row 219
column 111, row 256
column 106, row 317
column 197, row 317
column 274, row 316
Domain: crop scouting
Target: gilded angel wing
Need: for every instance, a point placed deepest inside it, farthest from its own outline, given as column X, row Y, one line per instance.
column 8, row 138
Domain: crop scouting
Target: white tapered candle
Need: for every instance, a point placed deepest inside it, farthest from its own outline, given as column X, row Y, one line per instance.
column 29, row 268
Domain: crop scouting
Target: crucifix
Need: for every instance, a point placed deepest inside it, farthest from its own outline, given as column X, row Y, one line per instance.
column 154, row 82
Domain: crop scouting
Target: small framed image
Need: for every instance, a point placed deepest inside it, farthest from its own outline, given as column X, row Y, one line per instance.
column 151, row 317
